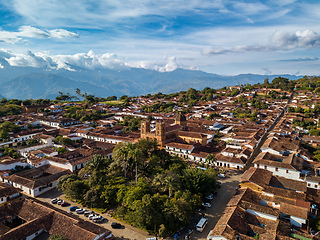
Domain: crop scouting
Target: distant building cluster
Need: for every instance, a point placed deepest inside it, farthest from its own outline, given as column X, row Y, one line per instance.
column 250, row 132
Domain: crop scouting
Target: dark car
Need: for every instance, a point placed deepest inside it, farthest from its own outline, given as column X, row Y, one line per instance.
column 187, row 236
column 64, row 204
column 73, row 208
column 116, row 225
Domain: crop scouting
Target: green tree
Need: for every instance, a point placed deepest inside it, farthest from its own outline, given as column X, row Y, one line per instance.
column 136, row 156
column 210, row 159
column 66, row 179
column 171, row 182
column 31, row 142
column 75, row 189
column 57, row 237
column 61, row 150
column 199, row 181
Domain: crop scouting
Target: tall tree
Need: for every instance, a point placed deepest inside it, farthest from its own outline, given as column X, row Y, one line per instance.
column 136, row 155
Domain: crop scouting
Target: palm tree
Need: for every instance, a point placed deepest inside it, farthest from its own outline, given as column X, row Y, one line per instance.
column 210, row 159
column 170, row 183
column 135, row 154
column 121, row 154
column 96, row 163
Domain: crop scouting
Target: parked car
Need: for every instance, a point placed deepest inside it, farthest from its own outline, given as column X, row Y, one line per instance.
column 209, row 197
column 87, row 213
column 64, row 204
column 73, row 208
column 54, row 200
column 80, row 210
column 91, row 216
column 206, row 204
column 187, row 236
column 214, row 192
column 59, row 202
column 218, row 184
column 221, row 175
column 116, row 225
column 98, row 219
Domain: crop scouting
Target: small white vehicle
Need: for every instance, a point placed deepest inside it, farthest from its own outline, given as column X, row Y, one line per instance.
column 91, row 216
column 80, row 210
column 210, row 197
column 206, row 204
column 54, row 200
column 98, row 219
column 87, row 213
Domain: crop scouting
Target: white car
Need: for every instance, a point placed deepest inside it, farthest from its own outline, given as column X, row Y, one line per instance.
column 210, row 197
column 80, row 210
column 221, row 175
column 91, row 216
column 55, row 200
column 87, row 213
column 98, row 219
column 206, row 204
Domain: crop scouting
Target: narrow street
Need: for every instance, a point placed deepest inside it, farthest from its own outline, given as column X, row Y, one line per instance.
column 256, row 150
column 218, row 204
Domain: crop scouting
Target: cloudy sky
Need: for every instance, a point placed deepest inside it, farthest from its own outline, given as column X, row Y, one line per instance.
column 226, row 37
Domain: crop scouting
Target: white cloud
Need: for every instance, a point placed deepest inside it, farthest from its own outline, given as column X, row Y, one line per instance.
column 89, row 61
column 280, row 40
column 62, row 33
column 102, row 13
column 299, row 39
column 167, row 64
column 32, row 32
column 26, row 60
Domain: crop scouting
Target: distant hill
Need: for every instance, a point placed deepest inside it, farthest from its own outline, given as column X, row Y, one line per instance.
column 22, row 83
column 41, row 85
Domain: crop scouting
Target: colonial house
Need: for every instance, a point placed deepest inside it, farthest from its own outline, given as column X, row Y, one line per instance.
column 72, row 161
column 284, row 166
column 8, row 192
column 179, row 148
column 280, row 145
column 250, row 214
column 8, row 163
column 58, row 122
column 34, row 219
column 36, row 181
column 229, row 161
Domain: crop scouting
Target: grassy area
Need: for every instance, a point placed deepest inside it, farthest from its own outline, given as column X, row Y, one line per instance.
column 113, row 103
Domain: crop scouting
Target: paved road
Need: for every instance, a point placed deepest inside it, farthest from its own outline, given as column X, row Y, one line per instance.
column 218, row 204
column 262, row 140
column 127, row 232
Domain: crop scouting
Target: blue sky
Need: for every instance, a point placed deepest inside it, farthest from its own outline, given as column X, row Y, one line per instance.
column 226, row 37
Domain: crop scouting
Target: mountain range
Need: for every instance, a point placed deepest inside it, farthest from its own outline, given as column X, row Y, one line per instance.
column 28, row 82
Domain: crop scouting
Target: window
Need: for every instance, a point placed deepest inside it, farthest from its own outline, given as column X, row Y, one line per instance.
column 287, row 171
column 276, row 169
column 316, row 186
column 258, row 165
column 309, row 184
column 265, row 167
